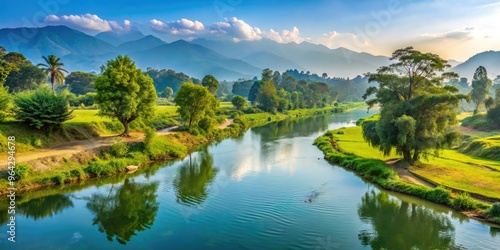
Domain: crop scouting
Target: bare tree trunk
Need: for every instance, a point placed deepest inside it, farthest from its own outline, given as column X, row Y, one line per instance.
column 126, row 132
column 407, row 155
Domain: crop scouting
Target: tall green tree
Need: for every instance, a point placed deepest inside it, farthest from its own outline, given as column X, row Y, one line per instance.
column 53, row 68
column 167, row 92
column 211, row 83
column 254, row 90
column 480, row 87
column 416, row 112
column 25, row 77
column 18, row 73
column 80, row 82
column 267, row 75
column 195, row 103
column 239, row 102
column 267, row 98
column 124, row 92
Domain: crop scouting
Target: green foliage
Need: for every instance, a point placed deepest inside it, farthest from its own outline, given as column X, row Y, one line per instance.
column 207, row 123
column 464, row 202
column 26, row 77
column 195, row 102
column 267, row 98
column 80, row 83
column 416, row 113
column 169, row 78
column 239, row 102
column 211, row 83
column 480, row 87
column 42, row 109
column 242, row 88
column 5, row 103
column 167, row 93
column 150, row 134
column 119, row 148
column 161, row 149
column 124, row 93
column 53, row 68
column 439, row 195
column 494, row 210
column 494, row 115
column 21, row 171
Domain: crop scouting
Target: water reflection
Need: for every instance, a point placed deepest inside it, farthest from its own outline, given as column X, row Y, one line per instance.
column 37, row 208
column 194, row 177
column 126, row 210
column 47, row 206
column 495, row 231
column 292, row 128
column 401, row 225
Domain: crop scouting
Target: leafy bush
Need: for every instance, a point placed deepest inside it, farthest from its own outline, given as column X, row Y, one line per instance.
column 207, row 123
column 494, row 210
column 5, row 103
column 42, row 108
column 79, row 173
column 150, row 133
column 494, row 115
column 160, row 148
column 21, row 171
column 464, row 202
column 118, row 149
column 439, row 195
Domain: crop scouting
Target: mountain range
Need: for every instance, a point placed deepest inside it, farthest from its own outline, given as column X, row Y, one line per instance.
column 224, row 59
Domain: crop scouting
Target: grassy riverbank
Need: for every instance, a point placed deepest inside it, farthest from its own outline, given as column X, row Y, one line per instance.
column 451, row 171
column 113, row 160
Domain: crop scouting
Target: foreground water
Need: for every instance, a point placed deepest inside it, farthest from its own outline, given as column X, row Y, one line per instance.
column 250, row 192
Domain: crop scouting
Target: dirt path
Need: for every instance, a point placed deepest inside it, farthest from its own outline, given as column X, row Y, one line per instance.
column 75, row 147
column 226, row 124
column 71, row 148
column 408, row 176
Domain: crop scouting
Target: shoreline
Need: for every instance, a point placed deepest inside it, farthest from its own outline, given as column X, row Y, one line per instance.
column 386, row 176
column 80, row 172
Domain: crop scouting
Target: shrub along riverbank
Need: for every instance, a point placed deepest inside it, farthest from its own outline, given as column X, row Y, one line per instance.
column 115, row 159
column 377, row 171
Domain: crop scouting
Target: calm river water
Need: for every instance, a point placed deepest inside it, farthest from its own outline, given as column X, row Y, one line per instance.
column 243, row 193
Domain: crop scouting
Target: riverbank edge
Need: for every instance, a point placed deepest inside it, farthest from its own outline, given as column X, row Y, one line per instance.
column 180, row 144
column 381, row 174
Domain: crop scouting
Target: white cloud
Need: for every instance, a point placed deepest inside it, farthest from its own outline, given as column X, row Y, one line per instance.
column 286, row 36
column 230, row 29
column 180, row 27
column 459, row 34
column 346, row 40
column 88, row 22
column 235, row 29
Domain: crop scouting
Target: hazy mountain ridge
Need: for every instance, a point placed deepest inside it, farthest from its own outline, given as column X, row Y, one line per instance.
column 226, row 60
column 488, row 59
column 116, row 39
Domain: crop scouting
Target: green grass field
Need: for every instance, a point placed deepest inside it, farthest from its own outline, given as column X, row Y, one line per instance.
column 452, row 168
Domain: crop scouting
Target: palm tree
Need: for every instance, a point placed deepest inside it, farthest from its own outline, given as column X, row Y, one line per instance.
column 53, row 69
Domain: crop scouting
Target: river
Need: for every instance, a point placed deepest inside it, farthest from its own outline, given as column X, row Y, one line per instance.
column 268, row 189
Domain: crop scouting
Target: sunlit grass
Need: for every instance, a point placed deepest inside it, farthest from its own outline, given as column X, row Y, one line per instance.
column 352, row 141
column 452, row 168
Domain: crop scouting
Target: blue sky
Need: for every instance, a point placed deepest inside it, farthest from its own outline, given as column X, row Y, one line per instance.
column 453, row 29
